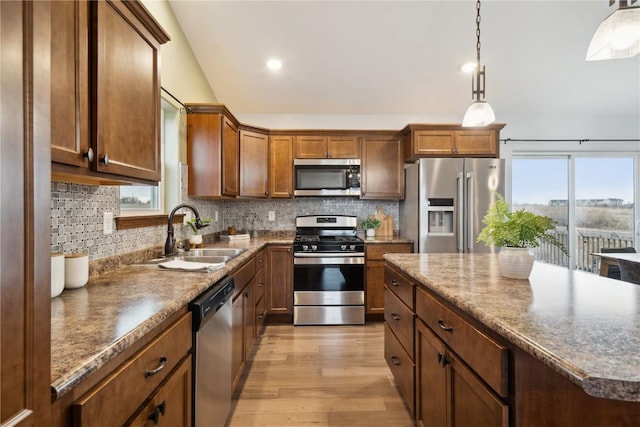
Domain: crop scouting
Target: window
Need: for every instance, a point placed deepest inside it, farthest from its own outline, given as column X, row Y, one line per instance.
column 150, row 199
column 590, row 196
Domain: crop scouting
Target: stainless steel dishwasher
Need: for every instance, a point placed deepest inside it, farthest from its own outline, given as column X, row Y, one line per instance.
column 212, row 355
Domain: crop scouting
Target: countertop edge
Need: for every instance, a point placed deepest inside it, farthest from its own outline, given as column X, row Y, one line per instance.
column 87, row 367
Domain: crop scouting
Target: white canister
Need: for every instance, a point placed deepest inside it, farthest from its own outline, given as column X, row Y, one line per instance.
column 76, row 270
column 57, row 274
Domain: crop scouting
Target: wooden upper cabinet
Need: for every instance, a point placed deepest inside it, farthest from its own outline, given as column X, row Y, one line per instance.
column 327, row 146
column 280, row 167
column 105, row 92
column 70, row 139
column 254, row 163
column 451, row 141
column 213, row 152
column 230, row 158
column 343, row 147
column 382, row 167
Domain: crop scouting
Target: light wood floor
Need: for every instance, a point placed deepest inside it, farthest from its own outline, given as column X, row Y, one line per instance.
column 319, row 376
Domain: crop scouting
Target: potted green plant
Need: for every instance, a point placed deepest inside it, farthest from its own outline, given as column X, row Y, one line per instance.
column 196, row 239
column 370, row 224
column 516, row 232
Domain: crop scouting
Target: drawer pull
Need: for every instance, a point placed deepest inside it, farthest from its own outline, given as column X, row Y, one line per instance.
column 395, row 360
column 157, row 411
column 394, row 283
column 444, row 327
column 260, row 284
column 163, row 363
column 394, row 316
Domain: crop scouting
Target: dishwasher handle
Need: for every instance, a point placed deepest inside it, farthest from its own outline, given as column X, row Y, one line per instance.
column 209, row 302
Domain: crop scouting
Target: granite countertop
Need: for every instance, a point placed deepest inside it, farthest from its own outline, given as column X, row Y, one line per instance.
column 93, row 324
column 583, row 326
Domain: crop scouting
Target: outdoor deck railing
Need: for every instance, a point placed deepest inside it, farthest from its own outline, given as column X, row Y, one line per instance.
column 588, row 242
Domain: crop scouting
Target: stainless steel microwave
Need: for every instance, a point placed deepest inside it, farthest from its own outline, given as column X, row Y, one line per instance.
column 327, row 177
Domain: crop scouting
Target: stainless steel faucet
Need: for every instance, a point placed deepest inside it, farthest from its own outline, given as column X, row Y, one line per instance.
column 169, row 246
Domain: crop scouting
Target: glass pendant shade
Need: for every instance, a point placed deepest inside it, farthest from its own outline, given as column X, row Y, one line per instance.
column 479, row 114
column 617, row 37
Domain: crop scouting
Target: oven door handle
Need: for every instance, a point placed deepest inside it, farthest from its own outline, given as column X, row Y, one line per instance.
column 328, row 255
column 324, row 260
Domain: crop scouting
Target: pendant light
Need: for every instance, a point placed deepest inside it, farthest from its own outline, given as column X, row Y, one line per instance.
column 479, row 113
column 618, row 36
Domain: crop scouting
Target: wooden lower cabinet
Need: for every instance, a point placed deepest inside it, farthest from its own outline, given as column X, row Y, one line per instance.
column 150, row 372
column 280, row 281
column 171, row 405
column 374, row 273
column 448, row 393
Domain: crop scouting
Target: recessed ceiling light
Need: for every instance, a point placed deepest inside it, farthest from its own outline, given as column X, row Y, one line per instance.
column 469, row 67
column 274, row 64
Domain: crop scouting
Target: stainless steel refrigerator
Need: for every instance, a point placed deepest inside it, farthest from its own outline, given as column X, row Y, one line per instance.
column 446, row 200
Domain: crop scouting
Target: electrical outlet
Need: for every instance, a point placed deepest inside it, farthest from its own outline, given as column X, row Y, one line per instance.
column 272, row 215
column 107, row 223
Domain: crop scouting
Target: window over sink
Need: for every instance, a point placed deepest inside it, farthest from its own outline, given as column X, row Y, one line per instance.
column 142, row 200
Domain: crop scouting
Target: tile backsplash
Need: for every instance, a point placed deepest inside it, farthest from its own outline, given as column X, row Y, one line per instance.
column 77, row 217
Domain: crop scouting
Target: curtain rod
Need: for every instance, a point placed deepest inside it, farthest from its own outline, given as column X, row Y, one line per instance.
column 579, row 141
column 171, row 95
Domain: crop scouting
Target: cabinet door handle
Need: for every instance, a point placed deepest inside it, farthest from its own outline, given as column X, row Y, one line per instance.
column 395, row 360
column 394, row 316
column 88, row 155
column 443, row 326
column 105, row 159
column 394, row 283
column 163, row 363
column 155, row 417
column 260, row 284
column 246, row 294
column 162, row 407
column 439, row 357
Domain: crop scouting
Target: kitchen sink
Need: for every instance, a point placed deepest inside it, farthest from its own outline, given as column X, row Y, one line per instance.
column 211, row 256
column 224, row 252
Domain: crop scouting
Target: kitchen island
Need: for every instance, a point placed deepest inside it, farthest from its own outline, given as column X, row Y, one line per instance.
column 572, row 338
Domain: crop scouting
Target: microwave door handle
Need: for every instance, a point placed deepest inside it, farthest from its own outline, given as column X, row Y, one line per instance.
column 460, row 198
column 470, row 202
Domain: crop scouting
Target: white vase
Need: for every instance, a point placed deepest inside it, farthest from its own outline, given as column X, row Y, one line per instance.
column 515, row 263
column 371, row 232
column 195, row 239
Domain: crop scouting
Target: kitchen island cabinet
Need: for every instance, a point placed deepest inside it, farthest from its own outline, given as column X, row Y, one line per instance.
column 557, row 349
column 105, row 92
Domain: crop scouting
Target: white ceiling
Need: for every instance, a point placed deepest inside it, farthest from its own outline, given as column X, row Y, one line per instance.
column 403, row 57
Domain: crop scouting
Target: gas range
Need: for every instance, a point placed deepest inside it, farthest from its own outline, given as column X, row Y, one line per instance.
column 327, row 234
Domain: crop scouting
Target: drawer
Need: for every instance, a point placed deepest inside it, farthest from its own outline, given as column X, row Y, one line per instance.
column 400, row 319
column 482, row 353
column 402, row 368
column 400, row 285
column 261, row 282
column 376, row 251
column 261, row 259
column 244, row 275
column 121, row 393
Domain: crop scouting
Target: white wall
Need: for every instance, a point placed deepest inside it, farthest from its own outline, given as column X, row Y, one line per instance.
column 180, row 72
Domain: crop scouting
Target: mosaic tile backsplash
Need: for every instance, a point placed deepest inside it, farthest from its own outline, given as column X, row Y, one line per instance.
column 77, row 217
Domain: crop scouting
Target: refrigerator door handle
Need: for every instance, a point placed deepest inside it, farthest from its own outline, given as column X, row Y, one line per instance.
column 470, row 201
column 460, row 198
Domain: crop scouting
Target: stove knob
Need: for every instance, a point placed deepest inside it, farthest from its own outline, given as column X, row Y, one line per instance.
column 305, row 247
column 314, row 247
column 343, row 247
column 352, row 247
